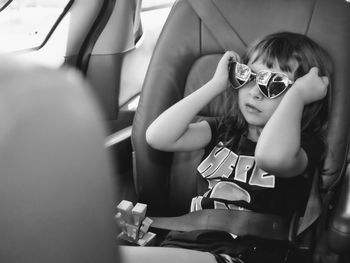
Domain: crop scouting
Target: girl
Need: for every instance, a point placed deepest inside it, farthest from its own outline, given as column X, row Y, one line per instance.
column 259, row 156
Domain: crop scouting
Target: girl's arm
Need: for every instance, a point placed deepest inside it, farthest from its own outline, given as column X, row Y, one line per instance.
column 278, row 149
column 173, row 131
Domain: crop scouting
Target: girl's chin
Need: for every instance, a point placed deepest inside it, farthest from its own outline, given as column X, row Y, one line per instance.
column 255, row 122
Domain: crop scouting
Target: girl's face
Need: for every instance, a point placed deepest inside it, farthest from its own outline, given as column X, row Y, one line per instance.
column 256, row 108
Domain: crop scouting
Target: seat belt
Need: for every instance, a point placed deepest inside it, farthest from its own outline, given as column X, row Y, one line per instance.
column 313, row 207
column 238, row 222
column 218, row 26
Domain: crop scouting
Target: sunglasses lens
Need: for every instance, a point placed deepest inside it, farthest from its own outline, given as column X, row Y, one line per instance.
column 272, row 84
column 276, row 88
column 278, row 85
column 262, row 79
column 238, row 74
column 242, row 72
column 263, row 89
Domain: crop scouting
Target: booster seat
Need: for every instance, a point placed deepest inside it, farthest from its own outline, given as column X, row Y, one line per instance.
column 185, row 57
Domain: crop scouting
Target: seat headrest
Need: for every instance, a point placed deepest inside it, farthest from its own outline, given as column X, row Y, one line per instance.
column 57, row 193
column 200, row 73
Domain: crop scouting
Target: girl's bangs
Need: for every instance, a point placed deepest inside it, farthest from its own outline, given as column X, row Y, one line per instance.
column 273, row 53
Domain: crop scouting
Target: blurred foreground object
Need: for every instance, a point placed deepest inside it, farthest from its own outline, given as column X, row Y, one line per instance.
column 57, row 192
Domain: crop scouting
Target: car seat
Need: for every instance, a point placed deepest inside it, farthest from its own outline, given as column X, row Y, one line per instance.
column 57, row 185
column 185, row 57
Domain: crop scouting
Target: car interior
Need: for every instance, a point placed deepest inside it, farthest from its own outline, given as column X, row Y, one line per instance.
column 60, row 187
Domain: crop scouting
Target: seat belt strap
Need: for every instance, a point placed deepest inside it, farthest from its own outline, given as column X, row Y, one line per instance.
column 217, row 25
column 313, row 207
column 238, row 222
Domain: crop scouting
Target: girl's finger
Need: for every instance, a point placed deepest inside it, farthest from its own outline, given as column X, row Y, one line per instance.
column 233, row 55
column 325, row 80
column 314, row 70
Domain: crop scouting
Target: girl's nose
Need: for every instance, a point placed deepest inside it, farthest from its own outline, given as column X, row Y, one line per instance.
column 255, row 92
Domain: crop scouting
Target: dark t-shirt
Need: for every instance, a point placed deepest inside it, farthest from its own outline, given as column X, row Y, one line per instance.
column 230, row 179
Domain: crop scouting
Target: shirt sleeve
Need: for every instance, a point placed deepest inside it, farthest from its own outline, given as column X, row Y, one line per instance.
column 214, row 124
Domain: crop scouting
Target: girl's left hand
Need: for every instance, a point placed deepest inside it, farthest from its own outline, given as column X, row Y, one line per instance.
column 221, row 74
column 311, row 87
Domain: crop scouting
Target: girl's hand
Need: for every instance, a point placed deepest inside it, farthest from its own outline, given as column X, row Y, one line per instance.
column 221, row 74
column 311, row 87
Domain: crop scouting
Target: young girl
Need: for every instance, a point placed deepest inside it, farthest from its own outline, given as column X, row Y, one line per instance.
column 260, row 156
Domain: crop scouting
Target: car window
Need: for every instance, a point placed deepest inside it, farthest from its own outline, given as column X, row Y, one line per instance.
column 155, row 4
column 26, row 24
column 153, row 15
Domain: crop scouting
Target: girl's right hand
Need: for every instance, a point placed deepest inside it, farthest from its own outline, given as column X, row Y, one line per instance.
column 221, row 74
column 311, row 87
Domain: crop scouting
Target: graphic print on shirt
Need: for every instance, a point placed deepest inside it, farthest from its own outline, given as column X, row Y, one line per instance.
column 222, row 163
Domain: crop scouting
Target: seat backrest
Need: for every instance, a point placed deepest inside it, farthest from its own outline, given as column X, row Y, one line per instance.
column 57, row 191
column 183, row 60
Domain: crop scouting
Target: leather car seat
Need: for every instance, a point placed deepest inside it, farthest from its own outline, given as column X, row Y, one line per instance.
column 185, row 57
column 57, row 190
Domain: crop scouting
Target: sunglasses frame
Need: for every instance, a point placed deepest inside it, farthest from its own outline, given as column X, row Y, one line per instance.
column 251, row 73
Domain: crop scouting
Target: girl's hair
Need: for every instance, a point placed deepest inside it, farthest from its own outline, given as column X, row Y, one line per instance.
column 285, row 48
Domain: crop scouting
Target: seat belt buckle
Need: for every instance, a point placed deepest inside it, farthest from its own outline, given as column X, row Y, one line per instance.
column 133, row 223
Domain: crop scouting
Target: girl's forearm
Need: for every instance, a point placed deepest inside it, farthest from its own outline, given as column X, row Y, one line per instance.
column 278, row 148
column 173, row 122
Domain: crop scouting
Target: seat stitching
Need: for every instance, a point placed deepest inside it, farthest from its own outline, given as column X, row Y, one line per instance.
column 233, row 29
column 311, row 15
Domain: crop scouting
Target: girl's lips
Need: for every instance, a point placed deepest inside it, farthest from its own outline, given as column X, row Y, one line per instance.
column 251, row 108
